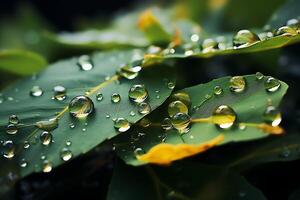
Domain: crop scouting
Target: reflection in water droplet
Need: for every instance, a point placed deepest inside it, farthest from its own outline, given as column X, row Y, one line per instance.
column 286, row 31
column 218, row 90
column 66, row 154
column 13, row 119
column 47, row 166
column 223, row 116
column 272, row 116
column 237, row 84
column 144, row 108
column 23, row 163
column 11, row 129
column 129, row 72
column 81, row 106
column 85, row 63
column 167, row 124
column 36, row 91
column 177, row 107
column 272, row 84
column 8, row 149
column 181, row 122
column 244, row 38
column 115, row 98
column 121, row 125
column 138, row 93
column 259, row 76
column 99, row 97
column 60, row 93
column 46, row 138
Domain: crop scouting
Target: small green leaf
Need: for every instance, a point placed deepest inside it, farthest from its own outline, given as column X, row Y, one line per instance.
column 184, row 181
column 21, row 62
column 205, row 131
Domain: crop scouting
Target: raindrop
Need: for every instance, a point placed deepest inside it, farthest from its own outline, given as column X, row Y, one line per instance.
column 183, row 97
column 138, row 93
column 195, row 38
column 83, row 129
column 47, row 166
column 144, row 108
column 244, row 38
column 209, row 45
column 23, row 163
column 177, row 107
column 181, row 122
column 272, row 84
column 72, row 125
column 60, row 93
column 68, row 143
column 49, row 125
column 11, row 129
column 138, row 151
column 26, row 145
column 132, row 113
column 13, row 119
column 99, row 96
column 129, row 72
column 157, row 96
column 85, row 63
column 8, row 149
column 36, row 91
column 223, row 116
column 272, row 116
column 115, row 98
column 259, row 76
column 81, row 106
column 121, row 125
column 46, row 138
column 294, row 23
column 171, row 85
column 66, row 154
column 285, row 31
column 145, row 122
column 167, row 124
column 237, row 84
column 218, row 90
column 242, row 126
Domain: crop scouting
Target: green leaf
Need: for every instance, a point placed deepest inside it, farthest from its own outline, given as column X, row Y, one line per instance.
column 87, row 133
column 180, row 181
column 248, row 105
column 21, row 62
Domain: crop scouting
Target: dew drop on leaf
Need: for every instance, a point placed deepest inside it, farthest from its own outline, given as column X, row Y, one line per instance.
column 144, row 108
column 138, row 152
column 85, row 63
column 36, row 91
column 99, row 96
column 223, row 116
column 8, row 149
column 23, row 163
column 259, row 76
column 81, row 106
column 72, row 125
column 47, row 166
column 66, row 154
column 177, row 107
column 129, row 72
column 68, row 143
column 195, row 38
column 272, row 116
column 181, row 122
column 209, row 45
column 60, row 93
column 218, row 90
column 121, row 125
column 183, row 97
column 286, row 31
column 244, row 38
column 132, row 113
column 13, row 119
column 26, row 145
column 166, row 124
column 272, row 84
column 138, row 93
column 171, row 85
column 49, row 125
column 46, row 138
column 237, row 84
column 242, row 126
column 11, row 129
column 145, row 122
column 115, row 98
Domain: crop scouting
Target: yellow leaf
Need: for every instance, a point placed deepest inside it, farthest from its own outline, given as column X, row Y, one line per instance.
column 164, row 154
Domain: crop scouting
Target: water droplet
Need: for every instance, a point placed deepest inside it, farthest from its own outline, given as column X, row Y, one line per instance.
column 26, row 145
column 132, row 113
column 218, row 90
column 223, row 116
column 181, row 122
column 85, row 63
column 167, row 124
column 272, row 84
column 145, row 122
column 244, row 38
column 138, row 152
column 115, row 98
column 177, row 107
column 195, row 38
column 68, row 143
column 183, row 97
column 259, row 76
column 43, row 157
column 121, row 125
column 138, row 93
column 60, row 93
column 242, row 126
column 107, row 116
column 144, row 108
column 13, row 119
column 46, row 138
column 171, row 85
column 129, row 72
column 286, row 31
column 272, row 116
column 49, row 125
column 154, row 50
column 66, row 154
column 81, row 106
column 157, row 96
column 294, row 23
column 8, row 149
column 11, row 129
column 99, row 97
column 47, row 166
column 23, row 163
column 72, row 125
column 83, row 129
column 237, row 84
column 36, row 91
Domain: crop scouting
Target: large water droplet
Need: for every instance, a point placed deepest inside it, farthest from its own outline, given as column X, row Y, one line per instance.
column 8, row 149
column 144, row 108
column 115, row 98
column 181, row 122
column 286, row 31
column 272, row 84
column 49, row 125
column 47, row 166
column 138, row 93
column 60, row 93
column 66, row 154
column 81, row 106
column 11, row 129
column 85, row 63
column 121, row 125
column 167, row 124
column 244, row 38
column 13, row 119
column 129, row 72
column 237, row 84
column 36, row 91
column 223, row 116
column 46, row 138
column 272, row 116
column 177, row 107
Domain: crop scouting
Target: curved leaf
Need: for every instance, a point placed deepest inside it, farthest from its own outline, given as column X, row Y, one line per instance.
column 248, row 105
column 88, row 133
column 184, row 181
column 21, row 62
